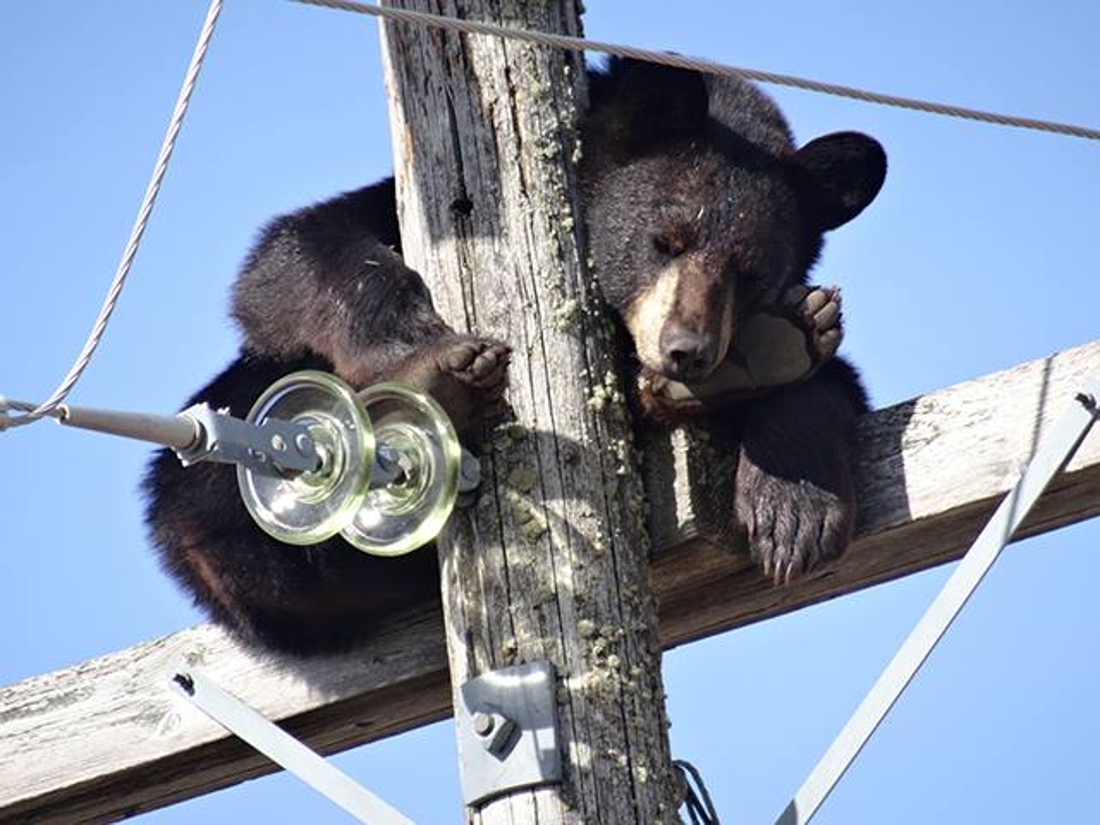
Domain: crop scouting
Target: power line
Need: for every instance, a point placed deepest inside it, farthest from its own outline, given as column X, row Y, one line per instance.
column 110, row 302
column 579, row 44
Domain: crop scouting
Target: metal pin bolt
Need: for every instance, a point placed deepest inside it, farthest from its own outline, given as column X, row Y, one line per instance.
column 494, row 731
column 469, row 473
column 304, row 444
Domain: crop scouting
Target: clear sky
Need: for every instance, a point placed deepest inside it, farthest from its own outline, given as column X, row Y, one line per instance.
column 978, row 254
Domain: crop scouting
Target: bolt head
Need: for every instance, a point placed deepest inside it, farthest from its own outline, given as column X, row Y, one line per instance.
column 483, row 724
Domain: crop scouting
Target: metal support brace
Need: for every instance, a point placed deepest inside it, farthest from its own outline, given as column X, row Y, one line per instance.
column 1054, row 451
column 507, row 728
column 283, row 749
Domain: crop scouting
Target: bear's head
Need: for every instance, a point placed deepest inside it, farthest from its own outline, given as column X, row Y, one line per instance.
column 699, row 204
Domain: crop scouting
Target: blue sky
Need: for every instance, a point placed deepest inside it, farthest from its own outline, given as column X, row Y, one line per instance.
column 978, row 254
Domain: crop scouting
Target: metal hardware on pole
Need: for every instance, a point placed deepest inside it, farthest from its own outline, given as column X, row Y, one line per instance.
column 283, row 749
column 1053, row 452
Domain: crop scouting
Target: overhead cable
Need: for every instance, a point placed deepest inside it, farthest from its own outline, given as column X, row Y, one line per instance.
column 110, row 302
column 571, row 43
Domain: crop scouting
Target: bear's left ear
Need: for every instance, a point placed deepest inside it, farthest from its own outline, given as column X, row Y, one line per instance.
column 839, row 175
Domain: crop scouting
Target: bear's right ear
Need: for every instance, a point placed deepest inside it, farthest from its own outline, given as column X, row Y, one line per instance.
column 840, row 174
column 638, row 103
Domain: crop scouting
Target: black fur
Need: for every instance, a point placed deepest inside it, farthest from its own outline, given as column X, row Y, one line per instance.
column 325, row 287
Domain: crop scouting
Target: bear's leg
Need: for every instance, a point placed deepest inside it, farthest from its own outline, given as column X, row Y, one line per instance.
column 297, row 599
column 294, row 599
column 465, row 374
column 794, row 492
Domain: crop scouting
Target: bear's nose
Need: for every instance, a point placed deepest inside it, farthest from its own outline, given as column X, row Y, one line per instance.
column 687, row 355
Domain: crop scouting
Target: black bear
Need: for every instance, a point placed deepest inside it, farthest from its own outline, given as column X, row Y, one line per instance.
column 704, row 220
column 324, row 288
column 703, row 223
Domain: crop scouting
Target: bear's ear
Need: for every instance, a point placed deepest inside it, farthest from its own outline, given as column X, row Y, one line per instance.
column 839, row 175
column 638, row 103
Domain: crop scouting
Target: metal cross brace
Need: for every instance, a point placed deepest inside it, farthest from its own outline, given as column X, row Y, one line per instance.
column 1054, row 451
column 283, row 749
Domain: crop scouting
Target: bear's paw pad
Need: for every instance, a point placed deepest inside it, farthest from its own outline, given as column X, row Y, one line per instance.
column 480, row 363
column 786, row 342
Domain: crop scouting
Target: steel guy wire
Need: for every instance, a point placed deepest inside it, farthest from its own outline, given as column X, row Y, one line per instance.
column 581, row 44
column 96, row 335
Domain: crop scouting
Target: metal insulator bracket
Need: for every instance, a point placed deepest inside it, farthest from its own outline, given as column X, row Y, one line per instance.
column 274, row 447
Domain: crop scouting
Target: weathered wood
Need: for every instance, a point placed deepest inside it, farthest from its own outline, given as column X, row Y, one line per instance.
column 928, row 474
column 107, row 738
column 552, row 563
column 111, row 737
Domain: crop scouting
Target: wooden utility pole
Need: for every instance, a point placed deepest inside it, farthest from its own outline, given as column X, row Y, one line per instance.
column 552, row 562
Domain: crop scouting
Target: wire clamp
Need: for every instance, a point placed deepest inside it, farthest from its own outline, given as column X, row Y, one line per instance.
column 274, row 447
column 507, row 727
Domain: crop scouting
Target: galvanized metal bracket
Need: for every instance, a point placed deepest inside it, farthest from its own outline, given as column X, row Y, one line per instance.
column 507, row 726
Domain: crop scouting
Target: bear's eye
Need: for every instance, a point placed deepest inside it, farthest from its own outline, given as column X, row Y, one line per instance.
column 668, row 246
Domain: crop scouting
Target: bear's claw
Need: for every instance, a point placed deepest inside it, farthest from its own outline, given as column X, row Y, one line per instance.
column 793, row 526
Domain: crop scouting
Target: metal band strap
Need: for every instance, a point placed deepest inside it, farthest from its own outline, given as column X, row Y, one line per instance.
column 283, row 749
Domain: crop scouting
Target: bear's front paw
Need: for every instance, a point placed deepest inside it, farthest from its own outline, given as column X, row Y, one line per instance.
column 793, row 526
column 479, row 363
column 473, row 374
column 787, row 341
column 466, row 375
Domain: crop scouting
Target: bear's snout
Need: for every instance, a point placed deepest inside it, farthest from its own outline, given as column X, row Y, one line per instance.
column 687, row 355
